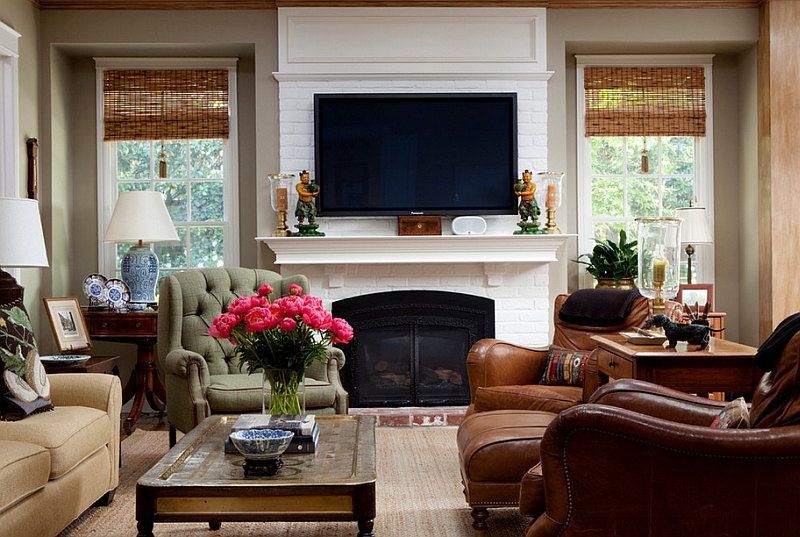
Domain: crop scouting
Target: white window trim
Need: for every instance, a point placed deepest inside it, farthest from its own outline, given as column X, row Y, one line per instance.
column 107, row 162
column 9, row 111
column 704, row 147
column 9, row 117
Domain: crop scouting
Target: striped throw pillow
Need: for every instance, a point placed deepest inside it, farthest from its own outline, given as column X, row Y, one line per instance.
column 565, row 367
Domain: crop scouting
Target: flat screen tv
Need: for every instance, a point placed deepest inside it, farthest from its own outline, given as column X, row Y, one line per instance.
column 415, row 154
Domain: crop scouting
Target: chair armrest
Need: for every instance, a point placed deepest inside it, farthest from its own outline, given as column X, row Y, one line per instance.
column 658, row 401
column 492, row 362
column 642, row 472
column 178, row 360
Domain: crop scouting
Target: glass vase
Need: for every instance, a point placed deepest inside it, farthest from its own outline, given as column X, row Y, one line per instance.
column 659, row 258
column 283, row 391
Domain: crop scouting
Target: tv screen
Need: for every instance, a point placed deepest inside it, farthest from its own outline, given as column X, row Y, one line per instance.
column 416, row 154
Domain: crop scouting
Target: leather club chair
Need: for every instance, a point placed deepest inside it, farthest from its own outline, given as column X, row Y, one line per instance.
column 643, row 460
column 505, row 376
column 201, row 373
column 498, row 441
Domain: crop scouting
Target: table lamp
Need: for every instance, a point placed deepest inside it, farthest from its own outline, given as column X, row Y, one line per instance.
column 140, row 217
column 21, row 245
column 694, row 230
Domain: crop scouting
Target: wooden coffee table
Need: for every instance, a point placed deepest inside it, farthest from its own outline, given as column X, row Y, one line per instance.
column 196, row 481
column 724, row 366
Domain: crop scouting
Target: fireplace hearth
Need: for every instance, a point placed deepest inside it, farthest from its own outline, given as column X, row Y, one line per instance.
column 410, row 347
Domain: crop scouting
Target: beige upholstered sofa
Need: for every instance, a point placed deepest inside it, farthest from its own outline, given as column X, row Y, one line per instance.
column 56, row 464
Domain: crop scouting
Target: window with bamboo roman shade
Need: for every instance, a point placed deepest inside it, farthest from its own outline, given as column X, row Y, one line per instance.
column 146, row 104
column 645, row 101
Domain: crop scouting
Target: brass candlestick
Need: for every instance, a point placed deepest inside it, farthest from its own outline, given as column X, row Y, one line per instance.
column 280, row 186
column 551, row 226
column 282, row 230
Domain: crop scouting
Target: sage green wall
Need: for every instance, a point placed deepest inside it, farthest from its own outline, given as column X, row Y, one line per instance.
column 730, row 34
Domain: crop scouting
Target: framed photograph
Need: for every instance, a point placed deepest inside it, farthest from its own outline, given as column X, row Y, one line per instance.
column 696, row 293
column 67, row 324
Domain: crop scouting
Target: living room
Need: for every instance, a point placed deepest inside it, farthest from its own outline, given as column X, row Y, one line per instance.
column 58, row 105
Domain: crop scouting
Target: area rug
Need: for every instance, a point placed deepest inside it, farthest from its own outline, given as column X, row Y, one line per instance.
column 419, row 492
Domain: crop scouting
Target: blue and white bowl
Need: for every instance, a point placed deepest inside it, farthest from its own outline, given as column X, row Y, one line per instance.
column 260, row 444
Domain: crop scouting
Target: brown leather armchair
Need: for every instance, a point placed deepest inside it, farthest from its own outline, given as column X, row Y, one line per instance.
column 643, row 460
column 505, row 376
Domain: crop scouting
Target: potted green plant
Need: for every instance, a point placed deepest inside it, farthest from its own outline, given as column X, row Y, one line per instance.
column 613, row 264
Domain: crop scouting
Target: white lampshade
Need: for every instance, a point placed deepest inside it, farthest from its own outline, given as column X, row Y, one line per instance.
column 140, row 215
column 22, row 242
column 695, row 229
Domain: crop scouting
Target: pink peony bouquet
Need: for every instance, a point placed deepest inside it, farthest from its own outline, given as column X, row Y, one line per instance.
column 288, row 333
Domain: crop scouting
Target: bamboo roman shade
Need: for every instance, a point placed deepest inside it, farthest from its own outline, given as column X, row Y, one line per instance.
column 645, row 101
column 165, row 104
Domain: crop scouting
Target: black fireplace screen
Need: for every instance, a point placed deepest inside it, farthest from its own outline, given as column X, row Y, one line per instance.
column 410, row 347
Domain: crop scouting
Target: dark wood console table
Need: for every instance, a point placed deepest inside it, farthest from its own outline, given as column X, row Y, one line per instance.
column 139, row 327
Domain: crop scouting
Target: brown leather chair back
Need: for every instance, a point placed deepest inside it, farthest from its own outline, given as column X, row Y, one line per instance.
column 579, row 337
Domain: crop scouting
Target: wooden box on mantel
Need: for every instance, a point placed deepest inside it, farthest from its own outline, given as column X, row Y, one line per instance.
column 419, row 225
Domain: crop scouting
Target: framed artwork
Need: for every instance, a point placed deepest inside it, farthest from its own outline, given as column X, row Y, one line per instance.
column 696, row 293
column 67, row 324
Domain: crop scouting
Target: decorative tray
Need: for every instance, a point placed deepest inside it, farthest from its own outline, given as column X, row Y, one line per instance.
column 65, row 359
column 644, row 339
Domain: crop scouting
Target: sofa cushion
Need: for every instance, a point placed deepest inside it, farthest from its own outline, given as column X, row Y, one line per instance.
column 242, row 393
column 25, row 389
column 527, row 397
column 565, row 367
column 69, row 433
column 735, row 415
column 24, row 469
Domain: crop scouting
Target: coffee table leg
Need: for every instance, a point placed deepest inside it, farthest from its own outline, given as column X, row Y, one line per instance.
column 214, row 526
column 145, row 528
column 365, row 528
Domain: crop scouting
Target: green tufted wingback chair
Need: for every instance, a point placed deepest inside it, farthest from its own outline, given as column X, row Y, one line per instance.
column 201, row 373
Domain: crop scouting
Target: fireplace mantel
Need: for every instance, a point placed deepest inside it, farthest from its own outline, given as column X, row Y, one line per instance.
column 424, row 249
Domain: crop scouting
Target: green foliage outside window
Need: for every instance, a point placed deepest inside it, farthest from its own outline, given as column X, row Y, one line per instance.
column 622, row 191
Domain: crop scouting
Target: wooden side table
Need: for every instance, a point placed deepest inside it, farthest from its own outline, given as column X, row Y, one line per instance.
column 141, row 328
column 724, row 366
column 95, row 364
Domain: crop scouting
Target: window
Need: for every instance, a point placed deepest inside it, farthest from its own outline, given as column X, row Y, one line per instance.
column 177, row 145
column 637, row 156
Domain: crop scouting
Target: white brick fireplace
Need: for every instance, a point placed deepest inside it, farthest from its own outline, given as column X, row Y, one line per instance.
column 352, row 50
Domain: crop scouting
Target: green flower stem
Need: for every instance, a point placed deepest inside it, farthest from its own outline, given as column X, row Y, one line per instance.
column 284, row 385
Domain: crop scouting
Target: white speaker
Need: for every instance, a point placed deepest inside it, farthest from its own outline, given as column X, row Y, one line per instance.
column 468, row 225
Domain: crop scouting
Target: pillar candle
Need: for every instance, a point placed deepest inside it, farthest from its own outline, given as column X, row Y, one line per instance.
column 659, row 270
column 281, row 199
column 551, row 197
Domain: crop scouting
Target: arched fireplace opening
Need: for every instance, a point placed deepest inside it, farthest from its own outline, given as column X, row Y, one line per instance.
column 410, row 347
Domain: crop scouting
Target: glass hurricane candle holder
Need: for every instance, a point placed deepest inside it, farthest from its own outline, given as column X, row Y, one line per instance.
column 280, row 187
column 659, row 258
column 550, row 188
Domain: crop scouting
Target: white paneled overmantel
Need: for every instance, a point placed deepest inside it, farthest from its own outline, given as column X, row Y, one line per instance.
column 469, row 42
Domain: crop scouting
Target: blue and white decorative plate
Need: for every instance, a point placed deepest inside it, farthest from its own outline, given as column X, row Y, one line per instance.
column 117, row 293
column 94, row 287
column 65, row 359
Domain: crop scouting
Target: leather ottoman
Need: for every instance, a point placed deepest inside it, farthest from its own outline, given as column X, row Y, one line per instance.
column 496, row 449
